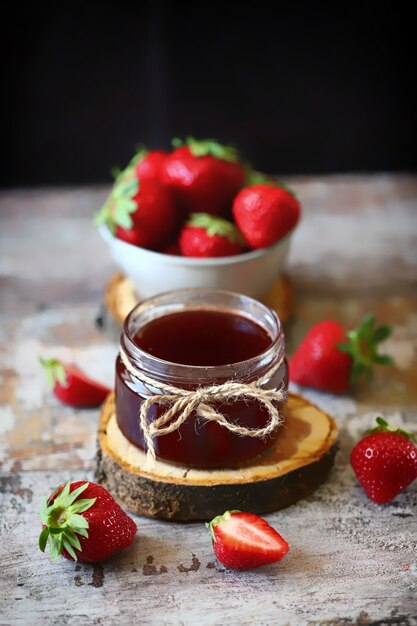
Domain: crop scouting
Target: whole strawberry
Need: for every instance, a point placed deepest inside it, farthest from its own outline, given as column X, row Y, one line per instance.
column 331, row 359
column 265, row 213
column 149, row 164
column 145, row 164
column 140, row 212
column 245, row 540
column 71, row 386
column 207, row 236
column 385, row 462
column 88, row 529
column 204, row 175
column 154, row 218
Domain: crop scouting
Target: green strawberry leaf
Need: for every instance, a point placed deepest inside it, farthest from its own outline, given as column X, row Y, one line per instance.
column 384, row 427
column 73, row 539
column 119, row 206
column 82, row 505
column 216, row 226
column 383, row 359
column 62, row 521
column 56, row 544
column 68, row 547
column 43, row 539
column 205, row 147
column 80, row 531
column 258, row 178
column 362, row 346
column 54, row 371
column 381, row 333
column 115, row 172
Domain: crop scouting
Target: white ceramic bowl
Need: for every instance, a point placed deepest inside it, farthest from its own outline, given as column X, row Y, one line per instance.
column 251, row 273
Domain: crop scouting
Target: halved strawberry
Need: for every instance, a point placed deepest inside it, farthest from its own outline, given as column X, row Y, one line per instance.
column 72, row 386
column 245, row 540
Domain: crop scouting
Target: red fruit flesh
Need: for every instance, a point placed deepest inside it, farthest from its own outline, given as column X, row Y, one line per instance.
column 318, row 362
column 246, row 541
column 385, row 463
column 264, row 214
column 80, row 390
column 202, row 184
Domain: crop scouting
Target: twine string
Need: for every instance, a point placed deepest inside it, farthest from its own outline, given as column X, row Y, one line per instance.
column 181, row 403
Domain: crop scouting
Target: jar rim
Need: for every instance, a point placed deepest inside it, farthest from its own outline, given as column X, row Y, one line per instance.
column 196, row 372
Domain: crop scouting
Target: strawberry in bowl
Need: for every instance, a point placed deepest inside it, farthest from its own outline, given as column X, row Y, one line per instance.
column 204, row 175
column 207, row 236
column 187, row 218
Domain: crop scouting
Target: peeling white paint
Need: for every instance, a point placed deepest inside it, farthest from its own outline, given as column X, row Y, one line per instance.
column 7, row 418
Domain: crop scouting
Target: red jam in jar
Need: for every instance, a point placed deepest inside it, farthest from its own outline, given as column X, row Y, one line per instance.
column 195, row 338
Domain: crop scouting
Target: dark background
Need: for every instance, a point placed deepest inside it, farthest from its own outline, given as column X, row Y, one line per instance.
column 298, row 87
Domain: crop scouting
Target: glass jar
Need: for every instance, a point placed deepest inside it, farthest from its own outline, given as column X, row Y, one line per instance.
column 199, row 443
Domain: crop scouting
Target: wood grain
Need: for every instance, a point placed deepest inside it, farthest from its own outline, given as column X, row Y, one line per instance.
column 292, row 468
column 120, row 297
column 351, row 562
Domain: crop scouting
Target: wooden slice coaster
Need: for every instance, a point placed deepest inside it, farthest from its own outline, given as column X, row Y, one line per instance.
column 293, row 468
column 120, row 297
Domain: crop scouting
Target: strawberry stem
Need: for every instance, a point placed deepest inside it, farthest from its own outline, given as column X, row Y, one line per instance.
column 362, row 346
column 385, row 427
column 62, row 521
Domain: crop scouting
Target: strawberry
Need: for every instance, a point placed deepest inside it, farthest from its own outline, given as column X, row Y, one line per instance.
column 153, row 219
column 245, row 540
column 88, row 529
column 146, row 165
column 149, row 164
column 385, row 462
column 204, row 176
column 330, row 359
column 207, row 236
column 265, row 213
column 72, row 386
column 140, row 212
column 172, row 248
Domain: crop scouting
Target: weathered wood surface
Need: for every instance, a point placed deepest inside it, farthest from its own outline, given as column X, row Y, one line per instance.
column 351, row 562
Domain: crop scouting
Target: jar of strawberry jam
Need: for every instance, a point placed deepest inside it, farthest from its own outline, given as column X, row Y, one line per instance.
column 192, row 339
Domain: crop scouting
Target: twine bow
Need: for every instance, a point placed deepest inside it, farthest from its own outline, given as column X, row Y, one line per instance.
column 182, row 403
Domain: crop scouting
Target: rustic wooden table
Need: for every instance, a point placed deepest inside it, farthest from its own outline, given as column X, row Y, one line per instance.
column 351, row 562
